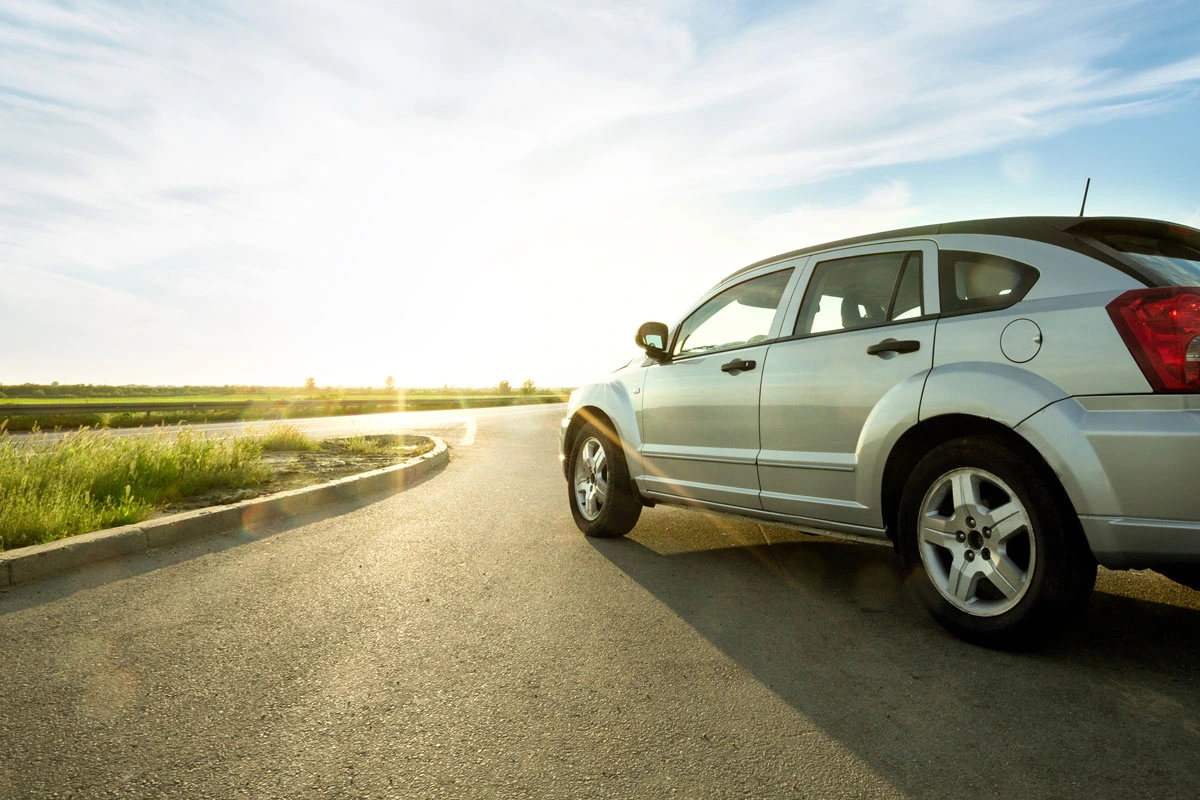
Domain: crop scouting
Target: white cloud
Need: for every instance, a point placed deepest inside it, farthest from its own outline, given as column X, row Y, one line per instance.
column 1020, row 168
column 884, row 208
column 271, row 171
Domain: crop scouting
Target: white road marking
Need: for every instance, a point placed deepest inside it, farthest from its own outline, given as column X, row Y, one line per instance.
column 468, row 437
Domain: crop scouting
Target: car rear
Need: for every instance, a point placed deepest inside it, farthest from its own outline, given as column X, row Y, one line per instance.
column 1128, row 459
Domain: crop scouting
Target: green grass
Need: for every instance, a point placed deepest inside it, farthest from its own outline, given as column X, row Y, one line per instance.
column 53, row 489
column 361, row 444
column 191, row 398
column 90, row 480
column 286, row 437
column 48, row 422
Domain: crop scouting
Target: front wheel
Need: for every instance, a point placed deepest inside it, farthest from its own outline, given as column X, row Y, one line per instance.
column 993, row 553
column 599, row 488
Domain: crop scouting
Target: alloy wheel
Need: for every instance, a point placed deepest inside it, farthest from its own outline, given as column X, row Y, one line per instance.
column 591, row 479
column 977, row 542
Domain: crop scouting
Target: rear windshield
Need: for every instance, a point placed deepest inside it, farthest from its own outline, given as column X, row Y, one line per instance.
column 1165, row 260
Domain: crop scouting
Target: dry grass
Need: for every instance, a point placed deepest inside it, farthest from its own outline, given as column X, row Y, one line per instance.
column 286, row 437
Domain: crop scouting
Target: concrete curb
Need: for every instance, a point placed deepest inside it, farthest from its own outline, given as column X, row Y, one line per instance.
column 28, row 564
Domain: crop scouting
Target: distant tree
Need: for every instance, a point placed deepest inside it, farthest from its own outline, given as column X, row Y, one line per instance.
column 505, row 387
column 527, row 387
column 390, row 383
column 39, row 392
column 310, row 383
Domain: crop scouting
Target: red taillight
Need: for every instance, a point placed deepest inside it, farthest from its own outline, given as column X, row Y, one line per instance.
column 1161, row 328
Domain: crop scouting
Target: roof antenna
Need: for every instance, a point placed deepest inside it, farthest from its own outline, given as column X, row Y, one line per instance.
column 1085, row 191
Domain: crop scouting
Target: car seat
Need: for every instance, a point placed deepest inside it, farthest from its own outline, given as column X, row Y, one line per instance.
column 858, row 314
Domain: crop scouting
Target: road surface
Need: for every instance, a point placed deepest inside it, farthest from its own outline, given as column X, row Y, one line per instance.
column 462, row 639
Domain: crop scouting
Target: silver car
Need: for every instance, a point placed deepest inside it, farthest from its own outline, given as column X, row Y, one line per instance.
column 1008, row 401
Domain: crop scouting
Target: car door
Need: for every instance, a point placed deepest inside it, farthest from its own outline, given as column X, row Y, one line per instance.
column 861, row 344
column 700, row 407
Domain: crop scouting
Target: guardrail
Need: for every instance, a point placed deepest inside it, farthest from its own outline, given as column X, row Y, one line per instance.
column 34, row 409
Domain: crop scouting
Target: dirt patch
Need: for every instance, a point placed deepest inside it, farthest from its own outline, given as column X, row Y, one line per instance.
column 292, row 469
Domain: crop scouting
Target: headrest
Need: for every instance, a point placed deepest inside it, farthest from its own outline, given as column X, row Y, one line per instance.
column 853, row 317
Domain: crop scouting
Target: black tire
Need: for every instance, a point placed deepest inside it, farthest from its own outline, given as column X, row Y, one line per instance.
column 1058, row 571
column 619, row 511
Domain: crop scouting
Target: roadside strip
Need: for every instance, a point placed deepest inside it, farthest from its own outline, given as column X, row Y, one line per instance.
column 29, row 564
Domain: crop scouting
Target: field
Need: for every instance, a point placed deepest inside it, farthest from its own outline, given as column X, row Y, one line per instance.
column 61, row 392
column 242, row 397
column 259, row 403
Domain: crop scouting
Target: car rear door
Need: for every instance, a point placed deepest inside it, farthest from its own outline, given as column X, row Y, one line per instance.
column 700, row 407
column 860, row 346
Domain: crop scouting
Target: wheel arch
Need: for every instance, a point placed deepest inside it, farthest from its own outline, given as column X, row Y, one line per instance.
column 596, row 416
column 923, row 437
column 584, row 415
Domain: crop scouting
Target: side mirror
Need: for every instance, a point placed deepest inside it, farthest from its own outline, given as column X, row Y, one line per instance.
column 652, row 337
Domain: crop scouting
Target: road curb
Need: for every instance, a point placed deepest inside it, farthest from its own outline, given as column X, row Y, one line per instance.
column 29, row 564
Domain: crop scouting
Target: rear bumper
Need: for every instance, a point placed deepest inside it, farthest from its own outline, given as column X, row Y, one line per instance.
column 1129, row 465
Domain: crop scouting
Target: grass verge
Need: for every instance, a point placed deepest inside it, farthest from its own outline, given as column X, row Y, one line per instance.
column 361, row 444
column 280, row 437
column 90, row 480
column 84, row 482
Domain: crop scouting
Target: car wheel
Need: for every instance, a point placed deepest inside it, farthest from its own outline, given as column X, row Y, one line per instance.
column 994, row 555
column 599, row 489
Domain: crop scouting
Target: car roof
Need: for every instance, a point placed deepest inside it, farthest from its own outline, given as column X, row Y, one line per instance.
column 1072, row 233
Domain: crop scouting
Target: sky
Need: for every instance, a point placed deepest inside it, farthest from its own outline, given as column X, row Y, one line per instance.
column 470, row 191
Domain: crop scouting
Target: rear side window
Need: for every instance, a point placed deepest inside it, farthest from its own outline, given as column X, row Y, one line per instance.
column 981, row 282
column 861, row 292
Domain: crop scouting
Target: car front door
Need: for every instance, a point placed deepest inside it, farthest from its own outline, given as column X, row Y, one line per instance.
column 861, row 345
column 700, row 407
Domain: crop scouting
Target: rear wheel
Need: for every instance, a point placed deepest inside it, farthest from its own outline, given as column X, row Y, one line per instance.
column 994, row 555
column 599, row 489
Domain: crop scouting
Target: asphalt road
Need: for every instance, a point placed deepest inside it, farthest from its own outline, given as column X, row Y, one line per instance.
column 462, row 639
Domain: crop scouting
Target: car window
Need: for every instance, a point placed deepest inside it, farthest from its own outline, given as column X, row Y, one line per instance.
column 861, row 291
column 907, row 303
column 978, row 281
column 1168, row 262
column 740, row 315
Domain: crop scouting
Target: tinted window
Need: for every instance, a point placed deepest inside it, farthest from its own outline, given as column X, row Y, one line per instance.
column 862, row 291
column 978, row 281
column 1168, row 262
column 739, row 315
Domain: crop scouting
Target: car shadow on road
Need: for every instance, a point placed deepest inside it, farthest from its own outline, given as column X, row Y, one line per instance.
column 1111, row 708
